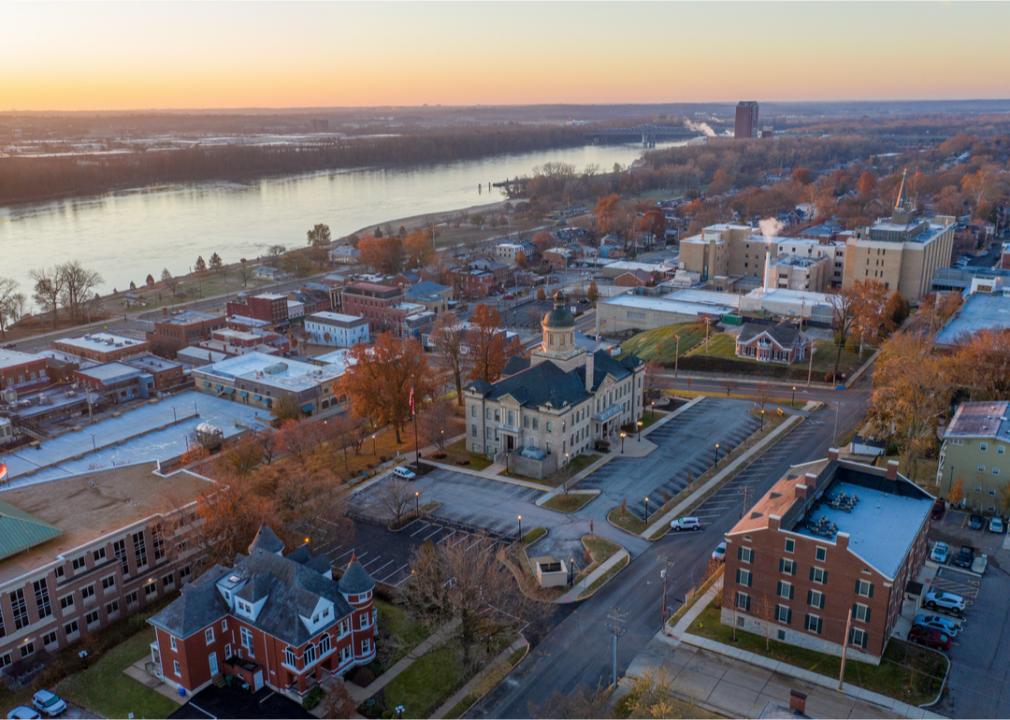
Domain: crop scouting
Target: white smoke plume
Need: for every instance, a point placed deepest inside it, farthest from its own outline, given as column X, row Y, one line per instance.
column 770, row 228
column 701, row 127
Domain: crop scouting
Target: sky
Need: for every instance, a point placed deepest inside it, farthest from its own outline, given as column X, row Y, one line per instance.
column 142, row 55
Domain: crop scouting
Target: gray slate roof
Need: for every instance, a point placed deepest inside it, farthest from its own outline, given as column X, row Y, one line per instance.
column 355, row 580
column 292, row 586
column 266, row 539
column 784, row 334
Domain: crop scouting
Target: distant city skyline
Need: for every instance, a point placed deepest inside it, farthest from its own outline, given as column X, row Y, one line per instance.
column 128, row 56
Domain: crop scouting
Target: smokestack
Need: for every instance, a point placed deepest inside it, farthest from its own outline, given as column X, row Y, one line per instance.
column 768, row 267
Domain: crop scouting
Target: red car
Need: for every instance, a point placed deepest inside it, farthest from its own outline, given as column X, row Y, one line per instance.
column 930, row 637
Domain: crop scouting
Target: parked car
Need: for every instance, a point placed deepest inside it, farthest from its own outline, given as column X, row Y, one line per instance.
column 939, row 508
column 980, row 563
column 938, row 622
column 976, row 522
column 930, row 638
column 48, row 703
column 965, row 556
column 23, row 713
column 940, row 553
column 945, row 601
column 996, row 525
column 719, row 554
column 685, row 523
column 404, row 473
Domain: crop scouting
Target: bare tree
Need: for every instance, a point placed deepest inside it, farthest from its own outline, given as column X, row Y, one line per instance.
column 449, row 337
column 434, row 419
column 843, row 307
column 454, row 583
column 170, row 281
column 9, row 306
column 396, row 497
column 244, row 271
column 579, row 702
column 78, row 284
column 48, row 289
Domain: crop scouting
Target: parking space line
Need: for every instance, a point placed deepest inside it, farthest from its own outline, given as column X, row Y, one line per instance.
column 424, row 526
column 435, row 532
column 470, row 547
column 377, row 570
column 345, row 553
column 444, row 538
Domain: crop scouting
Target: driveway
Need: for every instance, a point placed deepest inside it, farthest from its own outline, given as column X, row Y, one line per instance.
column 685, row 448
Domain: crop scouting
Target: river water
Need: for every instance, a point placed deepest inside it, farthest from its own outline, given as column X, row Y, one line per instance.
column 126, row 235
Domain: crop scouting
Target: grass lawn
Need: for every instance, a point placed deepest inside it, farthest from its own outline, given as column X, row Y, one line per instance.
column 719, row 345
column 104, row 689
column 651, row 416
column 494, row 676
column 400, row 632
column 532, row 535
column 457, row 454
column 920, row 470
column 427, row 683
column 576, row 465
column 824, row 359
column 600, row 549
column 626, row 520
column 660, row 344
column 570, row 502
column 907, row 672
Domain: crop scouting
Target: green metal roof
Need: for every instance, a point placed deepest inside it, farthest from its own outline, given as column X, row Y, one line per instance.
column 20, row 531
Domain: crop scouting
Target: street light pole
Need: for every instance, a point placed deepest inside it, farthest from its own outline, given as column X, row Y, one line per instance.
column 640, row 423
column 717, row 454
column 646, row 508
column 623, row 435
column 417, row 503
column 792, row 403
column 520, row 519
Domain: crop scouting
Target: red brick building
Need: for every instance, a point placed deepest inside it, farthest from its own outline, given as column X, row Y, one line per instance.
column 375, row 302
column 272, row 619
column 174, row 332
column 268, row 307
column 22, row 371
column 832, row 537
column 782, row 343
column 101, row 347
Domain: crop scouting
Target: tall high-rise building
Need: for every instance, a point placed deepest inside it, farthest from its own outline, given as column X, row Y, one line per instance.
column 746, row 119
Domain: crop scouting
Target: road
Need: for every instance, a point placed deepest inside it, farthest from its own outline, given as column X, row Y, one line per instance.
column 576, row 651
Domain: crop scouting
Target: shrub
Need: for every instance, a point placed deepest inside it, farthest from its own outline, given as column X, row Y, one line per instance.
column 312, row 698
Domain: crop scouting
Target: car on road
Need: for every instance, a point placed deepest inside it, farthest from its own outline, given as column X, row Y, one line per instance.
column 719, row 554
column 48, row 703
column 930, row 637
column 685, row 523
column 23, row 713
column 996, row 525
column 940, row 553
column 965, row 557
column 980, row 563
column 944, row 601
column 404, row 473
column 938, row 622
column 976, row 522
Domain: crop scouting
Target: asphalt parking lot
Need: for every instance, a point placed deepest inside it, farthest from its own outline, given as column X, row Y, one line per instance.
column 979, row 681
column 685, row 449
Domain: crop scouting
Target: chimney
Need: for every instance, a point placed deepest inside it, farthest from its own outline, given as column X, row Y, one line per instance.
column 590, row 359
column 797, row 702
column 832, row 453
column 774, row 522
column 892, row 470
column 842, row 541
column 801, row 491
column 810, row 480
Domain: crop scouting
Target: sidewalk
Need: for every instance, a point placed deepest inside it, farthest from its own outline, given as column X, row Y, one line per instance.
column 578, row 588
column 863, row 703
column 360, row 694
column 477, row 679
column 721, row 476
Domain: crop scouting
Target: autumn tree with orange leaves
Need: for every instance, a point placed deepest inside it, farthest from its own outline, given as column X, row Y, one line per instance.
column 383, row 254
column 486, row 341
column 380, row 377
column 418, row 248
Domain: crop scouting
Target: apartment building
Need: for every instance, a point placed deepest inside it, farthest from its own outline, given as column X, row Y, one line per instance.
column 101, row 347
column 272, row 619
column 80, row 553
column 336, row 329
column 174, row 332
column 831, row 546
column 271, row 308
column 21, row 371
column 375, row 302
column 976, row 454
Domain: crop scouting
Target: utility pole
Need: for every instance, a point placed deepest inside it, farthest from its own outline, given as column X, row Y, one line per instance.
column 676, row 357
column 845, row 647
column 615, row 623
column 662, row 610
column 810, row 366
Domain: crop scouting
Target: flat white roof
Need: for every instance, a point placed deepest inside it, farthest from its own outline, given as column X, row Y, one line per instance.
column 711, row 297
column 665, row 304
column 278, row 372
column 13, row 358
column 101, row 342
column 109, row 372
column 795, row 297
column 328, row 317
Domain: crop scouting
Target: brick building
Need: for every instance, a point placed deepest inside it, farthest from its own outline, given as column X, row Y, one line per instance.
column 271, row 308
column 832, row 537
column 83, row 552
column 22, row 371
column 375, row 302
column 782, row 343
column 174, row 332
column 101, row 347
column 271, row 619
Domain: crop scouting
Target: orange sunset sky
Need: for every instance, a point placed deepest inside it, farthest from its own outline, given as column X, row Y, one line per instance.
column 132, row 55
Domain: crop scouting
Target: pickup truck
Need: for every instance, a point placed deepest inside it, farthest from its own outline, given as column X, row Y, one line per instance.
column 965, row 557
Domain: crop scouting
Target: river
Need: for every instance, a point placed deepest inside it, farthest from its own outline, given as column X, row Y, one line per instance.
column 126, row 235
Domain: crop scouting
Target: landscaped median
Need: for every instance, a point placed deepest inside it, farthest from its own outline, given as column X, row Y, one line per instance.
column 571, row 501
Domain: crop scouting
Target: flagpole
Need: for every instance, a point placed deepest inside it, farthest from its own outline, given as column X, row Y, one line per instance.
column 417, row 448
